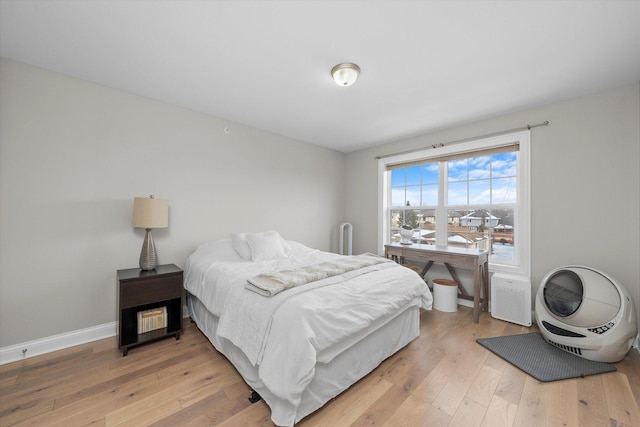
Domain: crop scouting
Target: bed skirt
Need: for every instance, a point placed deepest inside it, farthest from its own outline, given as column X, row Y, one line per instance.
column 335, row 372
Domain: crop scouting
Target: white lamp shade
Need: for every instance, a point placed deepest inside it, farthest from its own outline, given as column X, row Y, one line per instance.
column 150, row 213
column 345, row 74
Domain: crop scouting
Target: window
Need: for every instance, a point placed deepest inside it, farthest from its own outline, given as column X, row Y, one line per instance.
column 473, row 194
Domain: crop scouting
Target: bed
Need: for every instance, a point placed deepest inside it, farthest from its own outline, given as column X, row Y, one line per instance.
column 336, row 320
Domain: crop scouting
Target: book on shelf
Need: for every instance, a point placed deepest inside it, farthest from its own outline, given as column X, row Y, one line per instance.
column 152, row 319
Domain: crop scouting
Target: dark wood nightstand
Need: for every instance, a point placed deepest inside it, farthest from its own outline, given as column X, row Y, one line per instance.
column 140, row 290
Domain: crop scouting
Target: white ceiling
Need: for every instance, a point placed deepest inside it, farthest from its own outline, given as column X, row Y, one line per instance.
column 426, row 65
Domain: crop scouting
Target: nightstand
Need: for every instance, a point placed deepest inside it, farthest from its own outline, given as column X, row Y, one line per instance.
column 140, row 290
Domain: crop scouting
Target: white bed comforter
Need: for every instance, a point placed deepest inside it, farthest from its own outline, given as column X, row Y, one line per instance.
column 287, row 334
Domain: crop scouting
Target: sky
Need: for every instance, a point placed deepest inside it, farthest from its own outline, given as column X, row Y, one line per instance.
column 484, row 180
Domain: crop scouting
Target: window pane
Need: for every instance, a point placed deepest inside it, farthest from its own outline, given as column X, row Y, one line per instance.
column 430, row 195
column 457, row 194
column 406, row 189
column 430, row 173
column 479, row 167
column 426, row 233
column 423, row 222
column 413, row 175
column 398, row 177
column 398, row 197
column 396, row 219
column 465, row 229
column 504, row 165
column 479, row 192
column 411, row 218
column 503, row 191
column 413, row 196
column 503, row 236
column 457, row 170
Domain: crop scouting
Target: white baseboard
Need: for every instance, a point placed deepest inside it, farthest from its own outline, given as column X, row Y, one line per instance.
column 465, row 302
column 37, row 347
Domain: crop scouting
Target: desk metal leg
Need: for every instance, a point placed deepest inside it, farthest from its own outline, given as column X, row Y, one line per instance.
column 425, row 269
column 454, row 276
column 476, row 294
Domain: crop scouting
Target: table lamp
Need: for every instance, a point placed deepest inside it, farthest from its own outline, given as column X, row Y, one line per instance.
column 149, row 213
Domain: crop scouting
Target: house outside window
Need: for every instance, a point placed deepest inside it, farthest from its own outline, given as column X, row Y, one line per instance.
column 473, row 194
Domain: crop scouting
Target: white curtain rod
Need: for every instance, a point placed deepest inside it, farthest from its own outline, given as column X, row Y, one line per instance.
column 442, row 144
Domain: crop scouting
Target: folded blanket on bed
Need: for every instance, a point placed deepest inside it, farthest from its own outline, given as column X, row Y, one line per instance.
column 270, row 284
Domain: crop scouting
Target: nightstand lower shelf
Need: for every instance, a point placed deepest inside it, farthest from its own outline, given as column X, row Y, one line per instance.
column 148, row 337
column 129, row 333
column 140, row 290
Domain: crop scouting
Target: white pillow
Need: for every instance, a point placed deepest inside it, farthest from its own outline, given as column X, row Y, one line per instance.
column 240, row 244
column 218, row 250
column 265, row 246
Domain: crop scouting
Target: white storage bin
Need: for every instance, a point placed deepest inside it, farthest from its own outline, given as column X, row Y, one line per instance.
column 445, row 295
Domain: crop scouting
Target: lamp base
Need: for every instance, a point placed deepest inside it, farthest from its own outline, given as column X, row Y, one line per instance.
column 148, row 259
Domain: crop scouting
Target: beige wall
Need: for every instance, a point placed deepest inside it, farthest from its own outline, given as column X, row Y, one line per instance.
column 585, row 191
column 73, row 155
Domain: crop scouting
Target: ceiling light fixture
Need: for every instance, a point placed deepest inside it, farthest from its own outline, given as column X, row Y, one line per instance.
column 345, row 74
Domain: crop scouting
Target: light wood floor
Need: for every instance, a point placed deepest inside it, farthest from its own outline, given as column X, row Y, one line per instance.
column 443, row 378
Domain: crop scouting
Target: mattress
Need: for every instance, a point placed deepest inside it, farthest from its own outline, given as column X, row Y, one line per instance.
column 304, row 346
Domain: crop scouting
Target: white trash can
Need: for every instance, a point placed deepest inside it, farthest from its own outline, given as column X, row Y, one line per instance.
column 445, row 295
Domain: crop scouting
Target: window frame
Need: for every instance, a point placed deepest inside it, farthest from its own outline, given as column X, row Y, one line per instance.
column 522, row 245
